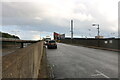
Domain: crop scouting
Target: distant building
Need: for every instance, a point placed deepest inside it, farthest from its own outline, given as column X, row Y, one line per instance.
column 100, row 37
column 58, row 36
column 62, row 36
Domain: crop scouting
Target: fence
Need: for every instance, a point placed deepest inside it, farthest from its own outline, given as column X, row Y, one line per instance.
column 105, row 43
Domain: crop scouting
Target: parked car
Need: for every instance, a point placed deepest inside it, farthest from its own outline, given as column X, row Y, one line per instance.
column 52, row 44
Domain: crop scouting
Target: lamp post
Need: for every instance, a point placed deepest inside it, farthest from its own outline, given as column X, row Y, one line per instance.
column 98, row 33
column 97, row 28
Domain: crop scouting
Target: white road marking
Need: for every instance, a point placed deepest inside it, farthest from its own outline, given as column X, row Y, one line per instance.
column 102, row 74
column 96, row 75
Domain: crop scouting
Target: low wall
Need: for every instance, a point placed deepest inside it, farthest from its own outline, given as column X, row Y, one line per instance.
column 24, row 63
column 105, row 43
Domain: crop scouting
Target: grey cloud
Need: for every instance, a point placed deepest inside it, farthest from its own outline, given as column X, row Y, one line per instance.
column 29, row 17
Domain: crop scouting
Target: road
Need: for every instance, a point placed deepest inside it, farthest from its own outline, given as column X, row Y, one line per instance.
column 80, row 62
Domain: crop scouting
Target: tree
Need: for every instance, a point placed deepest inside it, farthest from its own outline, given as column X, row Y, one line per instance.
column 6, row 35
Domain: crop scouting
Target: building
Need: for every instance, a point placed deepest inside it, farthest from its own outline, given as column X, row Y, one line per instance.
column 58, row 36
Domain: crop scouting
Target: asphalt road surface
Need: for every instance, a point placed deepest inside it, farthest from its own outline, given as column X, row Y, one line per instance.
column 80, row 62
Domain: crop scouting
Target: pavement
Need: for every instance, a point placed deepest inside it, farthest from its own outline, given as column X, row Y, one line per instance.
column 6, row 51
column 70, row 61
column 9, row 50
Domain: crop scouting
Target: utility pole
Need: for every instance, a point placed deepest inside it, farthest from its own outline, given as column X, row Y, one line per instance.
column 71, row 29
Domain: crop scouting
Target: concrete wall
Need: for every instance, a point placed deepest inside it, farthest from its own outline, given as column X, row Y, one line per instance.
column 105, row 43
column 24, row 63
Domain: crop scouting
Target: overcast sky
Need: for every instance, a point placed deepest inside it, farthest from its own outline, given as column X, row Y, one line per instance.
column 31, row 19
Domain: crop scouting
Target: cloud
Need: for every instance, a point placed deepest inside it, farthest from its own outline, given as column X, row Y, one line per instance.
column 55, row 15
column 119, row 18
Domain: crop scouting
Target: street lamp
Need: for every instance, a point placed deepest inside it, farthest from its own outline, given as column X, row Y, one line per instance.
column 98, row 33
column 97, row 28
